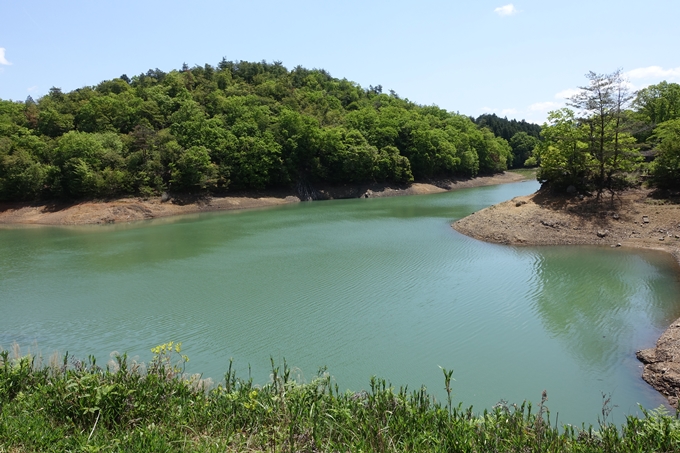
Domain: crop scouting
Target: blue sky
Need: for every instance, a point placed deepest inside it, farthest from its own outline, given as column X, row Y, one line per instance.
column 472, row 57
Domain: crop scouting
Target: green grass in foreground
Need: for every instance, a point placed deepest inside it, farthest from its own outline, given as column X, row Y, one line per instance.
column 69, row 405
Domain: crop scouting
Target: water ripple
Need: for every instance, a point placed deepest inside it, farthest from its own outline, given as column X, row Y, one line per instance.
column 382, row 287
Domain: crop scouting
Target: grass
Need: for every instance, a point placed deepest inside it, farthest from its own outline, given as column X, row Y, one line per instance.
column 73, row 405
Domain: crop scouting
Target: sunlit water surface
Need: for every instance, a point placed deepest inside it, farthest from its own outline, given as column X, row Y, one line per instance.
column 365, row 287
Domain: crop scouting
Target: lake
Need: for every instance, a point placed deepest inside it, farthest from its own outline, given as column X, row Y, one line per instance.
column 364, row 287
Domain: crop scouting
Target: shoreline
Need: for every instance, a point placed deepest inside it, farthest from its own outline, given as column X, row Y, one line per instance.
column 633, row 219
column 135, row 209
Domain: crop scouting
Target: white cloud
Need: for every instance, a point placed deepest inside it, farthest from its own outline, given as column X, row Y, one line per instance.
column 3, row 60
column 627, row 84
column 507, row 10
column 508, row 111
column 32, row 89
column 566, row 94
column 653, row 72
column 543, row 106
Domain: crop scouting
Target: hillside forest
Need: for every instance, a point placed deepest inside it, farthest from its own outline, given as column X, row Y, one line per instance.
column 252, row 126
column 236, row 126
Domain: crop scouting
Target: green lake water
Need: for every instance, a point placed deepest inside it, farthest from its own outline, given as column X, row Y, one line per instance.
column 365, row 287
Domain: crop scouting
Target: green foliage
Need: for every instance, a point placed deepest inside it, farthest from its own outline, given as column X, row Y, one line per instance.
column 21, row 177
column 390, row 165
column 192, row 170
column 594, row 150
column 236, row 126
column 494, row 153
column 665, row 169
column 656, row 104
column 522, row 145
column 505, row 128
column 91, row 164
column 73, row 405
column 346, row 156
column 564, row 156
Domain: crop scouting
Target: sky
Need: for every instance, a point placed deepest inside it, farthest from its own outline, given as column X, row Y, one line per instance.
column 516, row 59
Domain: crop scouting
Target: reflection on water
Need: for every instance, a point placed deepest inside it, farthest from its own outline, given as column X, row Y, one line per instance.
column 366, row 287
column 604, row 303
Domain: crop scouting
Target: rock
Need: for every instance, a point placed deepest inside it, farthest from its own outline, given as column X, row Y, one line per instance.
column 646, row 356
column 662, row 369
column 602, row 234
column 661, row 239
column 616, row 217
column 518, row 204
column 645, row 219
column 165, row 197
column 550, row 223
column 580, row 197
column 571, row 190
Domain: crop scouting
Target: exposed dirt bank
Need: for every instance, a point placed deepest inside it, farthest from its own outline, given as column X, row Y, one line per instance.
column 132, row 209
column 632, row 219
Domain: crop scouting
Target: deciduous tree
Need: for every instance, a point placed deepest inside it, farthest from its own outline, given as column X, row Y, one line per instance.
column 601, row 107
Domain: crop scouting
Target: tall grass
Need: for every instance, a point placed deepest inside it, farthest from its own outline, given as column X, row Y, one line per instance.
column 73, row 405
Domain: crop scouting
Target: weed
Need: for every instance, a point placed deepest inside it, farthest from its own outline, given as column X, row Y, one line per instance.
column 76, row 405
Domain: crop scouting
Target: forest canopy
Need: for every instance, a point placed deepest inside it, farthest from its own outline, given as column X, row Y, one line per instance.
column 235, row 126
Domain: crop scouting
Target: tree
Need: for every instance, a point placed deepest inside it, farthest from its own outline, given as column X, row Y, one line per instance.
column 91, row 164
column 505, row 128
column 666, row 166
column 193, row 170
column 239, row 125
column 602, row 105
column 564, row 157
column 21, row 176
column 657, row 104
column 522, row 145
column 494, row 152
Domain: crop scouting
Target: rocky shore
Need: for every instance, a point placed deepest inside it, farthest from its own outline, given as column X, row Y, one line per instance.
column 634, row 218
column 135, row 209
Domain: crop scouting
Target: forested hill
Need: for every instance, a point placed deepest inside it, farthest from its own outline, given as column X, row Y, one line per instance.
column 505, row 128
column 236, row 126
column 522, row 136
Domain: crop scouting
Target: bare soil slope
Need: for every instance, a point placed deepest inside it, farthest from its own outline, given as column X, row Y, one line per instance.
column 132, row 209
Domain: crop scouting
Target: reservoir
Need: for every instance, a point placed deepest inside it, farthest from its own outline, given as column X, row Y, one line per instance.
column 364, row 287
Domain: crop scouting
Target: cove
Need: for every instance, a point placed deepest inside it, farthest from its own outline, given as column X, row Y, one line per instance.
column 365, row 287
